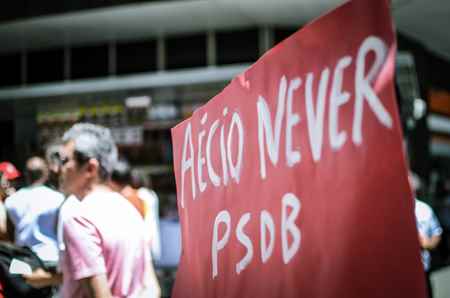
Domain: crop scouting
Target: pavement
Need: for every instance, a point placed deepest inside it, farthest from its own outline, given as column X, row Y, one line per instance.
column 440, row 280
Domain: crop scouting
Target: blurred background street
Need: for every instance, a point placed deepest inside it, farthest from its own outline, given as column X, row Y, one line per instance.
column 140, row 67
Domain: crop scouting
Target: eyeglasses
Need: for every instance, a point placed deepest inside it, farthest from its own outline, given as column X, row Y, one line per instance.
column 80, row 159
column 63, row 160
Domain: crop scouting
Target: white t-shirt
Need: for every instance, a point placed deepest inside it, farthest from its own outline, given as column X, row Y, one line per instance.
column 152, row 220
column 428, row 225
column 33, row 211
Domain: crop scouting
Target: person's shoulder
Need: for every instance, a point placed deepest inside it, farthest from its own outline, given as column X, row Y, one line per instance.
column 422, row 204
column 102, row 201
column 423, row 209
column 99, row 197
column 78, row 221
column 124, row 205
column 43, row 188
column 147, row 194
column 16, row 198
column 122, row 199
column 129, row 192
column 50, row 191
column 71, row 202
column 78, row 210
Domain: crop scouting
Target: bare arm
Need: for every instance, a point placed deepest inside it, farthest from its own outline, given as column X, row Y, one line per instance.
column 429, row 243
column 97, row 286
column 41, row 278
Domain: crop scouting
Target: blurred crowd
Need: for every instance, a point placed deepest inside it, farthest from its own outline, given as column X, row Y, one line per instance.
column 79, row 222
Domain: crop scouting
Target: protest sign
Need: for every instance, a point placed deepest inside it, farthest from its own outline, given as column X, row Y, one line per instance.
column 292, row 181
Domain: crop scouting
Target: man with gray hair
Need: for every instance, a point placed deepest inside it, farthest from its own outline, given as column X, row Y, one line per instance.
column 106, row 253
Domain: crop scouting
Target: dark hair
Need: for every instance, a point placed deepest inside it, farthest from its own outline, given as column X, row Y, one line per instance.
column 121, row 173
column 36, row 169
column 140, row 179
column 52, row 152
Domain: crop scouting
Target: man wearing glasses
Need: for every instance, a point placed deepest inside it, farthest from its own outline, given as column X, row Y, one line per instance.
column 106, row 253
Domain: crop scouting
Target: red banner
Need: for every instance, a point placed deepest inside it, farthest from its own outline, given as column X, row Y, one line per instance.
column 292, row 182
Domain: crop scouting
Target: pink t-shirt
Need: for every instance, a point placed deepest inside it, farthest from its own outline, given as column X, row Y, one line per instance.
column 107, row 236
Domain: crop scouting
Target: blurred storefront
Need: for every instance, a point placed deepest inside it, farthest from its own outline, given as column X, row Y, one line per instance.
column 423, row 91
column 140, row 82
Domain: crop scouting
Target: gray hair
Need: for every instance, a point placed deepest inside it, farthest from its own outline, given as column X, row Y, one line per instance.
column 93, row 141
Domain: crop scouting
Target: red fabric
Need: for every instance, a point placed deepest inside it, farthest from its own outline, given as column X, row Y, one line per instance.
column 353, row 216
